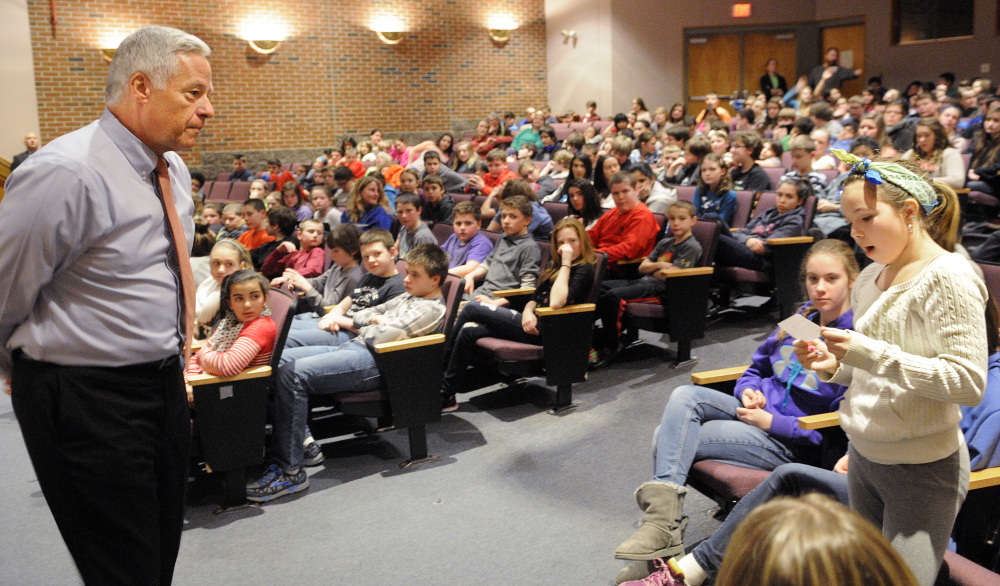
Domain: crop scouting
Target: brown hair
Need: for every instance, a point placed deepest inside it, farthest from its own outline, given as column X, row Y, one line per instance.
column 835, row 248
column 467, row 207
column 587, row 254
column 807, row 541
column 725, row 184
column 517, row 202
column 356, row 206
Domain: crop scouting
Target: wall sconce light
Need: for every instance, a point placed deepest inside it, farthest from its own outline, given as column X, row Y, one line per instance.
column 500, row 35
column 390, row 38
column 108, row 53
column 264, row 47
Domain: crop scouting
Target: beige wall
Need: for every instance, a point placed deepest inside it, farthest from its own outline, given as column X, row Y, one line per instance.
column 899, row 65
column 17, row 101
column 645, row 53
column 580, row 66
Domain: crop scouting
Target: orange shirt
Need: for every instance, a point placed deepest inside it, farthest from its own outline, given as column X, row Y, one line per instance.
column 489, row 181
column 252, row 239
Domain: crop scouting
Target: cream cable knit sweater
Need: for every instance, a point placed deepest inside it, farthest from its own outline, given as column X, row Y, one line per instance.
column 919, row 352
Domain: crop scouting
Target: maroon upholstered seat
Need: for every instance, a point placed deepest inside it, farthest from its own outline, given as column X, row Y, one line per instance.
column 964, row 572
column 726, row 480
column 508, row 351
column 744, row 275
column 564, row 350
column 983, row 199
column 681, row 312
column 782, row 281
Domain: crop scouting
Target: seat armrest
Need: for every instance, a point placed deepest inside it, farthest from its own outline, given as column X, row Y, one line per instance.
column 721, row 375
column 820, row 421
column 630, row 261
column 328, row 308
column 790, row 240
column 578, row 308
column 984, row 478
column 514, row 292
column 675, row 273
column 963, row 190
column 197, row 345
column 207, row 379
column 417, row 342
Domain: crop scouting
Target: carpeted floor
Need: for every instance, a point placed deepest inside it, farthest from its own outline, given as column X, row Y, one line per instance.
column 521, row 497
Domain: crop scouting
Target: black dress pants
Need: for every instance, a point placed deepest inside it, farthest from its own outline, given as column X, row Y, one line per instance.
column 110, row 448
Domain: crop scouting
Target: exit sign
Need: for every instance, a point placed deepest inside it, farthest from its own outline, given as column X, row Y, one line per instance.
column 741, row 10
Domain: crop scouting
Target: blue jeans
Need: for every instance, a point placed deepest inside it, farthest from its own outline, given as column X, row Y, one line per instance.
column 315, row 370
column 304, row 332
column 786, row 480
column 700, row 424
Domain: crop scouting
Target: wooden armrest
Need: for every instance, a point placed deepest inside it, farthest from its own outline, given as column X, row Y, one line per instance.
column 984, row 478
column 790, row 240
column 720, row 375
column 328, row 308
column 417, row 342
column 630, row 261
column 578, row 308
column 197, row 345
column 514, row 292
column 963, row 190
column 674, row 273
column 207, row 379
column 820, row 421
column 735, row 229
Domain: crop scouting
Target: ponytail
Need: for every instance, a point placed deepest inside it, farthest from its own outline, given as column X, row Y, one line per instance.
column 944, row 221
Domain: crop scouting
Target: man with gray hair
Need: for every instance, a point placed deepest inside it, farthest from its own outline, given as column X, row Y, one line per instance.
column 96, row 309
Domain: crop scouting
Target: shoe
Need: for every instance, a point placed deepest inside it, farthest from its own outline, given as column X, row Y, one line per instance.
column 313, row 455
column 661, row 534
column 269, row 475
column 281, row 484
column 608, row 356
column 448, row 403
column 593, row 358
column 667, row 573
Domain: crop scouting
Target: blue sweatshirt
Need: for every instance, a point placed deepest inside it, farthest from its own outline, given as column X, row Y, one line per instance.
column 791, row 390
column 981, row 424
column 721, row 205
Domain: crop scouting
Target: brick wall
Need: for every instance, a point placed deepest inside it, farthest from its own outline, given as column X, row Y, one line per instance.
column 332, row 76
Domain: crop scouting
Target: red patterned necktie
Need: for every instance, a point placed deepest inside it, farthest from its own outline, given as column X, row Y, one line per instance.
column 181, row 255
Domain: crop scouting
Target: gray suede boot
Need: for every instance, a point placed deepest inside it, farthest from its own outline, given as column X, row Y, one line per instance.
column 661, row 534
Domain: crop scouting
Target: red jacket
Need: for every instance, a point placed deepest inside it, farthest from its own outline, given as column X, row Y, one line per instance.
column 489, row 181
column 356, row 167
column 281, row 179
column 308, row 264
column 625, row 236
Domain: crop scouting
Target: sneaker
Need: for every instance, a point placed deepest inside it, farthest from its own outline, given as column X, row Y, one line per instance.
column 667, row 573
column 313, row 455
column 593, row 357
column 606, row 357
column 280, row 485
column 448, row 403
column 269, row 475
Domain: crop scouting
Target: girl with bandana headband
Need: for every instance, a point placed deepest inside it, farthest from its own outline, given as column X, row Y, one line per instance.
column 917, row 352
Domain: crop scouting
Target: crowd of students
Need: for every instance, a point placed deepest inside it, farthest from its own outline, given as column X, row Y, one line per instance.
column 925, row 347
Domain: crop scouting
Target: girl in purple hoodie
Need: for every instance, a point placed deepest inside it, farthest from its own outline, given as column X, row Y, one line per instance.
column 757, row 426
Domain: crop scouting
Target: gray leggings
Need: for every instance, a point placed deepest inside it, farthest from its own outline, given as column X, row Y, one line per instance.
column 914, row 504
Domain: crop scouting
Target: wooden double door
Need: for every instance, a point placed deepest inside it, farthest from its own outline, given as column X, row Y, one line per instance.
column 727, row 64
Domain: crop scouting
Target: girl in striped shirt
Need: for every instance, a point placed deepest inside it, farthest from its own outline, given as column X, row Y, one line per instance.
column 245, row 335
